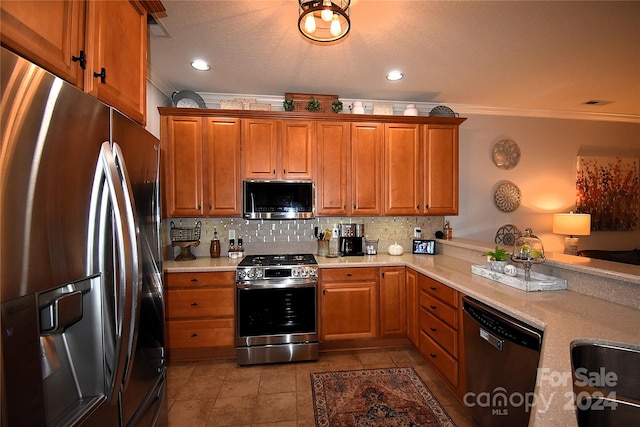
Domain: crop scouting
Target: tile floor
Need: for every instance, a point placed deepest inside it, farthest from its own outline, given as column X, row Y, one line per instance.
column 219, row 393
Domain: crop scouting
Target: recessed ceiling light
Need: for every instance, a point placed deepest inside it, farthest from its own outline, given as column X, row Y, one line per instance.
column 395, row 75
column 200, row 64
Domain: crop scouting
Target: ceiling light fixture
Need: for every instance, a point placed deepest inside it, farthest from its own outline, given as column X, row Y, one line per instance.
column 200, row 64
column 324, row 20
column 395, row 75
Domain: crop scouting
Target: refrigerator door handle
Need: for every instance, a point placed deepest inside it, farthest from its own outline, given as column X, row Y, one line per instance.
column 136, row 286
column 108, row 176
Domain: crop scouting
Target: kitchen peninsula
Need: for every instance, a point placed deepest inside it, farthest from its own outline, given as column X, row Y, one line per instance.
column 564, row 315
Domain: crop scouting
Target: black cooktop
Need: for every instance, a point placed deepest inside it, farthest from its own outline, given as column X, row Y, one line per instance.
column 275, row 260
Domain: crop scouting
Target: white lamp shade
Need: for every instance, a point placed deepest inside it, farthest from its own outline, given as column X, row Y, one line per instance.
column 572, row 224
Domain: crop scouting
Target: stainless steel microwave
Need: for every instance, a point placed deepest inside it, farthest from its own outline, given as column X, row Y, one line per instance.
column 278, row 199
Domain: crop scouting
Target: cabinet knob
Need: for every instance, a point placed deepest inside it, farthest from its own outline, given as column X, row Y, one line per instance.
column 102, row 74
column 194, row 335
column 284, row 171
column 433, row 288
column 433, row 307
column 349, row 274
column 383, row 275
column 418, row 206
column 194, row 304
column 82, row 59
column 433, row 329
column 194, row 280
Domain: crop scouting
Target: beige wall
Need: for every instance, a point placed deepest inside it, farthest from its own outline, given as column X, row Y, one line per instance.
column 545, row 175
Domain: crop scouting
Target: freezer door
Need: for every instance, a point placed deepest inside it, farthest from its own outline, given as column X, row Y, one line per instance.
column 137, row 152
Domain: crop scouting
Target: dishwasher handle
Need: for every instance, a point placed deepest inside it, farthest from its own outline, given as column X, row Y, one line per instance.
column 492, row 339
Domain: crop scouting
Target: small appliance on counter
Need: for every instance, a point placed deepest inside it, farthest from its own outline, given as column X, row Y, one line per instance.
column 351, row 238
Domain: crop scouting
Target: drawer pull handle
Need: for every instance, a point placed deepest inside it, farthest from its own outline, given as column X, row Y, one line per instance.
column 433, row 356
column 433, row 329
column 194, row 335
column 433, row 288
column 349, row 274
column 194, row 304
column 433, row 307
column 194, row 280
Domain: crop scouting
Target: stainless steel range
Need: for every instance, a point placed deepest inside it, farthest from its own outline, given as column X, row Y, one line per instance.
column 276, row 309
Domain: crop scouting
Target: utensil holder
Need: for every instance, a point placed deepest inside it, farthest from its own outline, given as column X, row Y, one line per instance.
column 323, row 247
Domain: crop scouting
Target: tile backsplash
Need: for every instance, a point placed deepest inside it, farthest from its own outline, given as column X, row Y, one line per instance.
column 297, row 235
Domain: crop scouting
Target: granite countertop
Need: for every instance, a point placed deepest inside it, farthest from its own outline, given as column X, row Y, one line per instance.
column 564, row 315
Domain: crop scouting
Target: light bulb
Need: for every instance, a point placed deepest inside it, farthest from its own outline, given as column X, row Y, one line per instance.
column 336, row 28
column 326, row 14
column 310, row 24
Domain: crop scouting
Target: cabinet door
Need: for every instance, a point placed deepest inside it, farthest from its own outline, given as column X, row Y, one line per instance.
column 116, row 49
column 49, row 33
column 182, row 165
column 402, row 169
column 297, row 151
column 333, row 141
column 411, row 286
column 260, row 148
column 349, row 311
column 366, row 168
column 440, row 160
column 222, row 167
column 392, row 301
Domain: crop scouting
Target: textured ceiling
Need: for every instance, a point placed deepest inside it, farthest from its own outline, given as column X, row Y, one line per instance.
column 505, row 54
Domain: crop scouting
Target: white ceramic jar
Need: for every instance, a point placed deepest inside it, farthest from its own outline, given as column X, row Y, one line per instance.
column 357, row 107
column 410, row 110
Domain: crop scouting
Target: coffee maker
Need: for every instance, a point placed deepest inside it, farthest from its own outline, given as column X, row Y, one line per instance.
column 351, row 238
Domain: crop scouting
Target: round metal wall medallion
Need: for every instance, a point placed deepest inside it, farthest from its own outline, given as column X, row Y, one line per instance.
column 506, row 154
column 507, row 234
column 507, row 197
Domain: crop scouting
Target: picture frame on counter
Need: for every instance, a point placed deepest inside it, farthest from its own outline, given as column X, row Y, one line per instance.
column 424, row 246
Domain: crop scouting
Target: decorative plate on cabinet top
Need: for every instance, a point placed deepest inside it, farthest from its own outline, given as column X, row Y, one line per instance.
column 507, row 197
column 506, row 154
column 188, row 99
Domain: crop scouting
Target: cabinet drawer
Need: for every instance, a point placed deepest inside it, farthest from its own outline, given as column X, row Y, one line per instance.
column 438, row 290
column 200, row 333
column 191, row 280
column 441, row 333
column 441, row 360
column 439, row 309
column 344, row 274
column 190, row 303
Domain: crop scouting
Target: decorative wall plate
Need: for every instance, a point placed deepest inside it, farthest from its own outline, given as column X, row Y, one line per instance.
column 506, row 154
column 188, row 99
column 507, row 234
column 507, row 197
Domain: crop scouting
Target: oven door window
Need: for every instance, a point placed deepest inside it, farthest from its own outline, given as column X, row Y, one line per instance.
column 276, row 311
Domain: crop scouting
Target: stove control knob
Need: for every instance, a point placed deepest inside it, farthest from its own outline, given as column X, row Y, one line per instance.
column 241, row 274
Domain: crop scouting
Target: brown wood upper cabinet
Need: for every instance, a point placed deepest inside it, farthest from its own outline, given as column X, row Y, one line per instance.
column 366, row 168
column 440, row 164
column 333, row 182
column 98, row 46
column 421, row 169
column 200, row 166
column 278, row 149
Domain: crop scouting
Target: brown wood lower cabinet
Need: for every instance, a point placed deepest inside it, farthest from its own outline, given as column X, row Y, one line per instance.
column 200, row 314
column 440, row 335
column 348, row 303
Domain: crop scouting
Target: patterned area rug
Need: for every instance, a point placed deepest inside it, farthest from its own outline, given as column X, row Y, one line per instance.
column 375, row 398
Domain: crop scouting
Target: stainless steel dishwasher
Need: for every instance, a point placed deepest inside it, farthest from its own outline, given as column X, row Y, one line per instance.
column 501, row 355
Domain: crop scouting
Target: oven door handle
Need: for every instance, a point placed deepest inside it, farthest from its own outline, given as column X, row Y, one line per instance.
column 275, row 286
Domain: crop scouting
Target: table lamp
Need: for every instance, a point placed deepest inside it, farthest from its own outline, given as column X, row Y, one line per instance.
column 571, row 225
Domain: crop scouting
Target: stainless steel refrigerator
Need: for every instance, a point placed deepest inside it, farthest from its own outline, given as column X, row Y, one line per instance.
column 80, row 259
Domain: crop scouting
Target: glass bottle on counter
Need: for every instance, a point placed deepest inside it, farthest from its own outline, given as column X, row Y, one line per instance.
column 214, row 250
column 232, row 248
column 239, row 249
